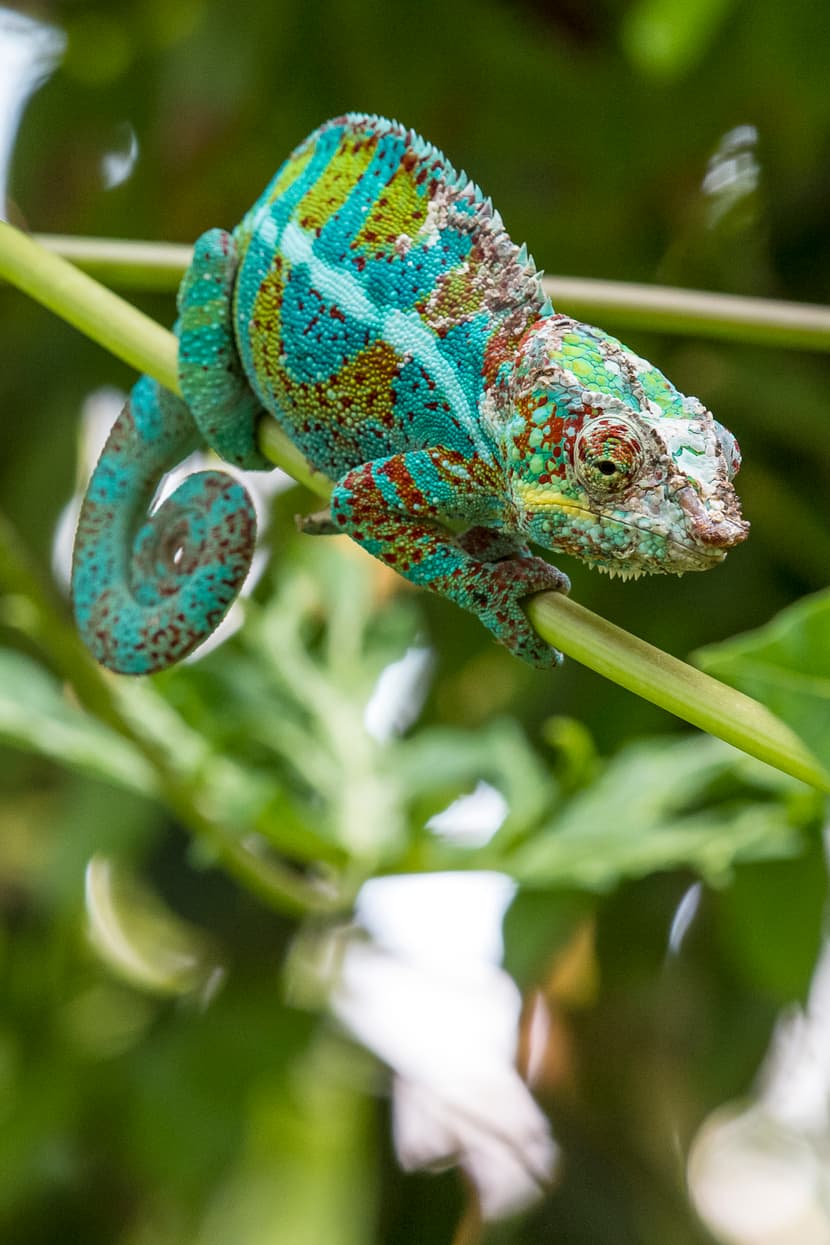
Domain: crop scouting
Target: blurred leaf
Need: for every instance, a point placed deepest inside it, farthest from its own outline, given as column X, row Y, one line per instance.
column 305, row 1174
column 194, row 1081
column 141, row 940
column 91, row 817
column 574, row 750
column 36, row 715
column 440, row 763
column 771, row 922
column 786, row 665
column 667, row 37
column 660, row 805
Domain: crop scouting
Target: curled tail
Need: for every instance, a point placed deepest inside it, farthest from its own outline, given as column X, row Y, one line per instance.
column 147, row 590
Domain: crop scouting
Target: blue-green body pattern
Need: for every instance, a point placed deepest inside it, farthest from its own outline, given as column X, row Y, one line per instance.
column 373, row 304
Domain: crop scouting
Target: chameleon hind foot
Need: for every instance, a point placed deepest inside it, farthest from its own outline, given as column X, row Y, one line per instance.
column 320, row 523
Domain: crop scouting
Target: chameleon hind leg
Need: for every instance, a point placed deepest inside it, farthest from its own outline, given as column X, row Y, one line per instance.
column 211, row 375
column 145, row 590
column 394, row 508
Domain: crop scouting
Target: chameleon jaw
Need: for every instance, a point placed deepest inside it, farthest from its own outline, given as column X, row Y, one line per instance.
column 627, row 572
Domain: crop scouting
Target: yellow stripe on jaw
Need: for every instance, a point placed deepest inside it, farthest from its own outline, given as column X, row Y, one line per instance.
column 544, row 497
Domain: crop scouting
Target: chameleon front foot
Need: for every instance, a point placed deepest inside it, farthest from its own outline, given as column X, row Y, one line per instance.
column 498, row 602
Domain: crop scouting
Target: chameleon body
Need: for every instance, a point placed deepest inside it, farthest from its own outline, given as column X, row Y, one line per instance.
column 372, row 303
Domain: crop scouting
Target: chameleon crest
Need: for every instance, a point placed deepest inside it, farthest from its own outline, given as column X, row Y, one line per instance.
column 372, row 303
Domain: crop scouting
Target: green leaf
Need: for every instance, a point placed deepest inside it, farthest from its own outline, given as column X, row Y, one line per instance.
column 771, row 923
column 665, row 804
column 785, row 664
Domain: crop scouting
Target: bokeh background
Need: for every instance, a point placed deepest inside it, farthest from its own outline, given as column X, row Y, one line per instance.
column 236, row 1003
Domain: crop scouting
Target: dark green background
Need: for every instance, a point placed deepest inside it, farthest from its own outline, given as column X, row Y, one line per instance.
column 592, row 125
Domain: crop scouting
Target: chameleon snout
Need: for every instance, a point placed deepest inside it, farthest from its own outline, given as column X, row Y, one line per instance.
column 722, row 534
column 717, row 525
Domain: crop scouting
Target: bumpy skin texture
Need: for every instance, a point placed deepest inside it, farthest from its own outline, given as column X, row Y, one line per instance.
column 373, row 304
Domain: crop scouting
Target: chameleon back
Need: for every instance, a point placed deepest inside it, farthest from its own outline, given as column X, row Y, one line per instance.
column 377, row 294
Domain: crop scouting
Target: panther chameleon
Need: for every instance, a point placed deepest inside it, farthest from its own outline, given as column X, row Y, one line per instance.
column 373, row 304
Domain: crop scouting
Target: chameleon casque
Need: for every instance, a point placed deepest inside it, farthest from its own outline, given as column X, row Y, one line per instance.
column 372, row 303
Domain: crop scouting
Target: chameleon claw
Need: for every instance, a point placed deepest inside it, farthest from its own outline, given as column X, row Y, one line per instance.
column 318, row 524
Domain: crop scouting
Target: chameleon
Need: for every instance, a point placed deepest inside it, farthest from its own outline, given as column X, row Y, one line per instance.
column 373, row 304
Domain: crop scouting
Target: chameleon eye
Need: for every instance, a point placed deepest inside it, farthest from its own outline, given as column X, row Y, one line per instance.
column 607, row 455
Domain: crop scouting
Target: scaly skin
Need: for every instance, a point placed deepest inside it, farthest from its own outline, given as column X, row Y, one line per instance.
column 372, row 303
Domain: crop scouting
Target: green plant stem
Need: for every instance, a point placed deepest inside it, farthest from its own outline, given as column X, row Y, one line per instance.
column 696, row 313
column 119, row 327
column 647, row 671
column 96, row 311
column 656, row 308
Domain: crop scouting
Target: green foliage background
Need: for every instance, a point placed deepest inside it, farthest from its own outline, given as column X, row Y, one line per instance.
column 149, row 1109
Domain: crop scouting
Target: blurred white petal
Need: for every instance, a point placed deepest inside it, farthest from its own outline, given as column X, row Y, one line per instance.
column 399, row 694
column 471, row 820
column 759, row 1172
column 683, row 917
column 118, row 163
column 755, row 1182
column 29, row 51
column 427, row 996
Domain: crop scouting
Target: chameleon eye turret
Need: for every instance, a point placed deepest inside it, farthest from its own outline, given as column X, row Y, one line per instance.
column 372, row 303
column 608, row 456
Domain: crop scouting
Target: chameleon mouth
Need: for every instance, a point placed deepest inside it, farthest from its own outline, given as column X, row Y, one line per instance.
column 691, row 560
column 683, row 556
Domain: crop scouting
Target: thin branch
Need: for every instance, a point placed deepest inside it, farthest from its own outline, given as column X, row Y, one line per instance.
column 658, row 308
column 115, row 324
column 695, row 313
column 627, row 660
column 132, row 265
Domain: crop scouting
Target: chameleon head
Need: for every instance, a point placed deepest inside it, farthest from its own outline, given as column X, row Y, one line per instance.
column 607, row 461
